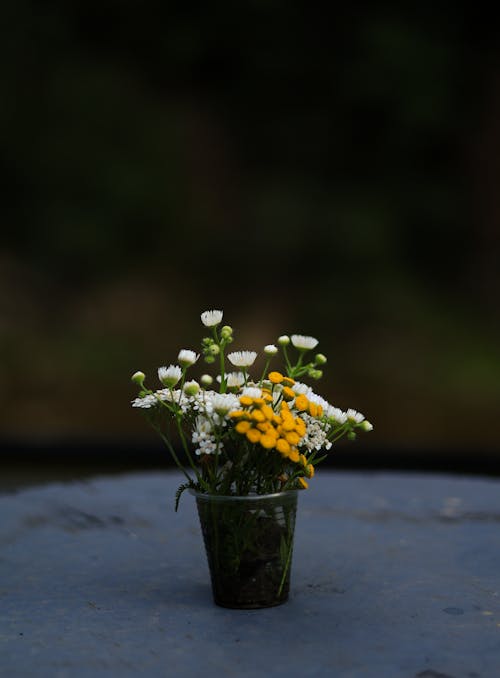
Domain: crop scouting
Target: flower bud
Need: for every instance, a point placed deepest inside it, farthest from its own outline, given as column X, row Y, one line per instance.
column 226, row 332
column 284, row 340
column 191, row 388
column 209, row 359
column 315, row 374
column 320, row 359
column 270, row 349
column 351, row 435
column 213, row 350
column 366, row 426
column 138, row 378
column 206, row 380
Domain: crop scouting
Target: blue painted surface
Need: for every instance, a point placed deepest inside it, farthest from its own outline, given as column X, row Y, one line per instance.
column 394, row 576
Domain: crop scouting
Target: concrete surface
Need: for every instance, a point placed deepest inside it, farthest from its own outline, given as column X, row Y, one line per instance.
column 394, row 576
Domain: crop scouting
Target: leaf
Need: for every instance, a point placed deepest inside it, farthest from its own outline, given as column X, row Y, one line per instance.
column 178, row 494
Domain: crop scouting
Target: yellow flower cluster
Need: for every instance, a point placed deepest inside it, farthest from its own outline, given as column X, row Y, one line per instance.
column 281, row 430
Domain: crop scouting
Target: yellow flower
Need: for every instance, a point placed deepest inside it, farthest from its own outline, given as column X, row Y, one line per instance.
column 267, row 411
column 257, row 415
column 283, row 446
column 237, row 414
column 243, row 426
column 303, row 483
column 293, row 455
column 309, row 470
column 288, row 381
column 276, row 377
column 313, row 409
column 301, row 402
column 300, row 426
column 288, row 394
column 254, row 435
column 288, row 423
column 246, row 401
column 303, row 460
column 268, row 441
column 293, row 438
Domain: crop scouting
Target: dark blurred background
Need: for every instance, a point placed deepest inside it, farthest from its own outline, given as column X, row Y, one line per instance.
column 335, row 177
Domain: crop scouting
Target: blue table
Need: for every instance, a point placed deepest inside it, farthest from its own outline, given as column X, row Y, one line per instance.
column 394, row 576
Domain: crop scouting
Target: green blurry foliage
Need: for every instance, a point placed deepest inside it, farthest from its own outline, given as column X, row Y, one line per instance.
column 305, row 175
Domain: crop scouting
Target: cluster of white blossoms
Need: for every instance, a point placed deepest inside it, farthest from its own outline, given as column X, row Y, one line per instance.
column 203, row 436
column 316, row 437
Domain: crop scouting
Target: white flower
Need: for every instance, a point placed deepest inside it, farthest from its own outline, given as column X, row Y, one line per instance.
column 318, row 400
column 223, row 403
column 366, row 425
column 242, row 358
column 170, row 375
column 316, row 437
column 337, row 415
column 211, row 318
column 270, row 349
column 303, row 343
column 234, row 379
column 146, row 402
column 187, row 358
column 252, row 392
column 354, row 417
column 206, row 380
column 300, row 389
column 204, row 437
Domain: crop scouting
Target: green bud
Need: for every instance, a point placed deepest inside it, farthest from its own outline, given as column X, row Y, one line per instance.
column 320, row 359
column 351, row 435
column 138, row 378
column 209, row 359
column 226, row 332
column 191, row 388
column 213, row 350
column 206, row 379
column 366, row 426
column 315, row 374
column 284, row 340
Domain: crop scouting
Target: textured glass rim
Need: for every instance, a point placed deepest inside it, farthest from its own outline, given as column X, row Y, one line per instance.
column 288, row 494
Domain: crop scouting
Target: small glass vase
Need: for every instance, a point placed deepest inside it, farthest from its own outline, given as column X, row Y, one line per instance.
column 249, row 545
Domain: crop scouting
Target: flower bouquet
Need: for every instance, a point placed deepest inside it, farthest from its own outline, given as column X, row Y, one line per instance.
column 249, row 444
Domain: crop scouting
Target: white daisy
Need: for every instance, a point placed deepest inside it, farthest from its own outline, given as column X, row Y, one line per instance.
column 211, row 318
column 303, row 343
column 336, row 414
column 354, row 417
column 242, row 358
column 187, row 358
column 252, row 392
column 234, row 379
column 300, row 389
column 223, row 403
column 170, row 375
